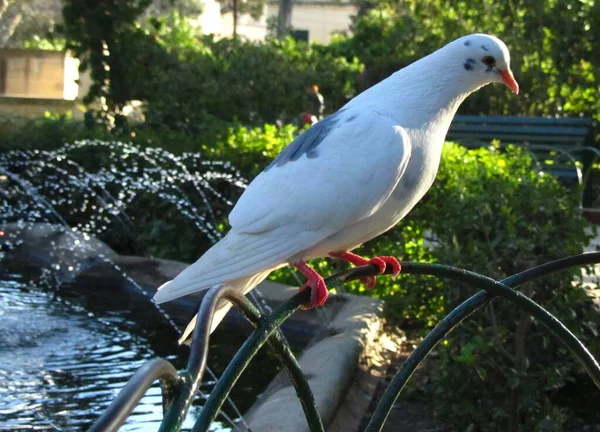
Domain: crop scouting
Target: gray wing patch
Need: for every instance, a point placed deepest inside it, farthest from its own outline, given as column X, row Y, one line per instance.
column 307, row 142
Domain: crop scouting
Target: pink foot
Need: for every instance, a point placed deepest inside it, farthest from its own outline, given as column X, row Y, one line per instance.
column 381, row 262
column 316, row 283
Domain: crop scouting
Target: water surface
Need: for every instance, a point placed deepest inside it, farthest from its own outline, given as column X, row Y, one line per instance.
column 61, row 365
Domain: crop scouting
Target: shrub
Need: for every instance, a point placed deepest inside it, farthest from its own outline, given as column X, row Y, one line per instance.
column 40, row 134
column 242, row 81
column 490, row 212
column 550, row 45
column 188, row 80
column 250, row 147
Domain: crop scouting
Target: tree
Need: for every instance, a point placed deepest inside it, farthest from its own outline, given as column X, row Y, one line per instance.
column 161, row 8
column 20, row 20
column 104, row 36
column 25, row 22
column 285, row 18
column 254, row 8
column 555, row 67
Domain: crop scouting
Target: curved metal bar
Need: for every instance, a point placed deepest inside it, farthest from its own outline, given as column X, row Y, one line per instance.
column 501, row 290
column 242, row 358
column 192, row 376
column 135, row 389
column 454, row 318
column 258, row 338
column 284, row 353
column 189, row 380
column 562, row 152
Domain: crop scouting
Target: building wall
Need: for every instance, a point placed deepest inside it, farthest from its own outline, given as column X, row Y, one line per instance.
column 33, row 73
column 248, row 27
column 321, row 20
column 210, row 19
column 33, row 82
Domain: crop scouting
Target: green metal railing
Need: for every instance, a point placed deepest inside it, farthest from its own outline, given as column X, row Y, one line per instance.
column 179, row 388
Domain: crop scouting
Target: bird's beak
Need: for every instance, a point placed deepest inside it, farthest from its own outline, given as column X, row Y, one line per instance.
column 509, row 79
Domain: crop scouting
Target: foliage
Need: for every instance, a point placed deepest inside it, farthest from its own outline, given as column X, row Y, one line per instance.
column 242, row 81
column 499, row 217
column 104, row 37
column 250, row 147
column 166, row 8
column 45, row 133
column 254, row 8
column 555, row 67
column 188, row 81
column 49, row 43
column 24, row 20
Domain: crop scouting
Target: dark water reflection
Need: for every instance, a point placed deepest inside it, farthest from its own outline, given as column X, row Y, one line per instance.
column 61, row 365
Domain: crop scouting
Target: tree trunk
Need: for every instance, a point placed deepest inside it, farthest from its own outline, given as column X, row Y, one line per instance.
column 3, row 7
column 235, row 18
column 10, row 18
column 285, row 18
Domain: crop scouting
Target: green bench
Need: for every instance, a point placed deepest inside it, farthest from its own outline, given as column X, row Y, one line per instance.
column 564, row 147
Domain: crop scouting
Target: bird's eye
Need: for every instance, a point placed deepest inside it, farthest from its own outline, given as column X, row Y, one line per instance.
column 489, row 61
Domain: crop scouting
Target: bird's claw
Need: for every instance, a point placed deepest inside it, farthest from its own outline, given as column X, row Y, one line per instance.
column 316, row 284
column 383, row 261
column 318, row 293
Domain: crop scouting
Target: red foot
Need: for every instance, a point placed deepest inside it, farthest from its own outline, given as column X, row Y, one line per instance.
column 381, row 262
column 314, row 281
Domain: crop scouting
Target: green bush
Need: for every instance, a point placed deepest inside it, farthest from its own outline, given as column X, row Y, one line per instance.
column 248, row 82
column 40, row 134
column 490, row 212
column 251, row 148
column 550, row 45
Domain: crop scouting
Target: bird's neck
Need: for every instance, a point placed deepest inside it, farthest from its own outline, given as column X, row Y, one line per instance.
column 425, row 94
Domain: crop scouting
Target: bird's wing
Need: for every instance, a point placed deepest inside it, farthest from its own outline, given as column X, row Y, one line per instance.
column 338, row 172
column 331, row 176
column 236, row 256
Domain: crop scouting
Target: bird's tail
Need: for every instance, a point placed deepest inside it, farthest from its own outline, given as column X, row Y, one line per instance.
column 242, row 285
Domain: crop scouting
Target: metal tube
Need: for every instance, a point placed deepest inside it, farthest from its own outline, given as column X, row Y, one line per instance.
column 454, row 318
column 135, row 389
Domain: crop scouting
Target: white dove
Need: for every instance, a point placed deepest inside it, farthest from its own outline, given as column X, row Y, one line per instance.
column 349, row 178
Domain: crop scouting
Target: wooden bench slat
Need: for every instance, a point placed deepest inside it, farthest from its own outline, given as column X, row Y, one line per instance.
column 577, row 133
column 545, row 121
column 513, row 138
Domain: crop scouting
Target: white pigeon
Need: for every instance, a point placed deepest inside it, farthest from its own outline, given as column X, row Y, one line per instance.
column 349, row 178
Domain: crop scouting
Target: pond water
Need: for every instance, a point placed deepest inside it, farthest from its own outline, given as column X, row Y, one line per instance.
column 61, row 364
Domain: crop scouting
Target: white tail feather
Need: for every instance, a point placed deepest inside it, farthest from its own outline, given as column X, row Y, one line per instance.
column 241, row 285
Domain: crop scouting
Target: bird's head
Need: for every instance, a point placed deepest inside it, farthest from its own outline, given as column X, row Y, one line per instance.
column 486, row 58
